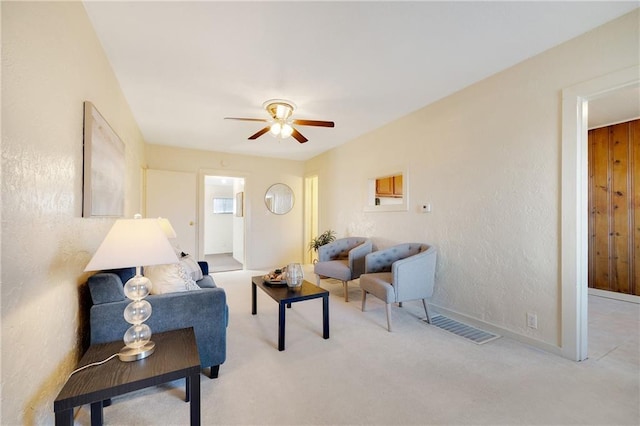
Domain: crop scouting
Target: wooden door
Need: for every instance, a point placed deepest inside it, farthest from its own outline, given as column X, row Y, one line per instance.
column 614, row 208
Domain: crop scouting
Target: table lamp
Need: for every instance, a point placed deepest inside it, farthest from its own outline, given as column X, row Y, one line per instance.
column 135, row 243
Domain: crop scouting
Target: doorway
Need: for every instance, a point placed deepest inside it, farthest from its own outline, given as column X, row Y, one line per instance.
column 574, row 205
column 223, row 222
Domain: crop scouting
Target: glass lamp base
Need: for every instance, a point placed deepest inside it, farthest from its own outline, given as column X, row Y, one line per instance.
column 133, row 354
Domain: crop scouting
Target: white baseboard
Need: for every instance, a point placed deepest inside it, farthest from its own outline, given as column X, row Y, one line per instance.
column 613, row 295
column 556, row 350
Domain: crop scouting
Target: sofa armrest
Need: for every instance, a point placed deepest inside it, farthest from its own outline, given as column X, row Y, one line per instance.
column 105, row 287
column 206, row 282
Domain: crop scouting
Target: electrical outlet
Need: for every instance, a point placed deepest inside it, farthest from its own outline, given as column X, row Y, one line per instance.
column 532, row 320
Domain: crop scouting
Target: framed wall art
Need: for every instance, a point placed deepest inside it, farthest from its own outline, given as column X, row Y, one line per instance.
column 104, row 167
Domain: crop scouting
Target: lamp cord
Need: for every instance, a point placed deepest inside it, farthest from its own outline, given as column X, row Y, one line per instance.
column 92, row 365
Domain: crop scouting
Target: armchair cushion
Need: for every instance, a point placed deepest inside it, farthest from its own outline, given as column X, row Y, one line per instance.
column 380, row 285
column 338, row 269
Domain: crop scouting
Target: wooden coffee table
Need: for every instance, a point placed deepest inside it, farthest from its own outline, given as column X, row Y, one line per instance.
column 175, row 357
column 285, row 296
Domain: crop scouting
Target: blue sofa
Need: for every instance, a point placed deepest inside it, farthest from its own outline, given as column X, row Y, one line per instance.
column 205, row 310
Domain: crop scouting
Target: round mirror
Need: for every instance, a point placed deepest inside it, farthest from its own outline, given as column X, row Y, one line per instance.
column 279, row 198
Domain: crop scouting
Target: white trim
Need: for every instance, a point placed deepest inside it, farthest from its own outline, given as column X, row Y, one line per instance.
column 574, row 241
column 200, row 206
column 614, row 295
column 496, row 330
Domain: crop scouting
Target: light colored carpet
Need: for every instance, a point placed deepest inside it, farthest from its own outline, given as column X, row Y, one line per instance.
column 222, row 262
column 417, row 375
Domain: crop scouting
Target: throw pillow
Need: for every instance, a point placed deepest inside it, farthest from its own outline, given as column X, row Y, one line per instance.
column 169, row 278
column 192, row 267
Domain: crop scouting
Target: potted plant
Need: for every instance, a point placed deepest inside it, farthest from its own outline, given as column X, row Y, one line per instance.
column 325, row 238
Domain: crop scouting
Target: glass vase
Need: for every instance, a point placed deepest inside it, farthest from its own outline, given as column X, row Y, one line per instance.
column 294, row 275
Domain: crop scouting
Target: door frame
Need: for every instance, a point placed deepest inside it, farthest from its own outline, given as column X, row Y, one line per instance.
column 574, row 205
column 310, row 214
column 201, row 206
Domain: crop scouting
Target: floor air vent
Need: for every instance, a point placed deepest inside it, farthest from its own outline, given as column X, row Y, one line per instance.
column 463, row 330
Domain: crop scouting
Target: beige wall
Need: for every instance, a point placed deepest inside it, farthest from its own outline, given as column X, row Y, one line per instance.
column 271, row 240
column 51, row 63
column 488, row 160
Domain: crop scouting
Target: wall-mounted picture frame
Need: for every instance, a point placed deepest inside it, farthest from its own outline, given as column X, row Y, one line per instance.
column 239, row 204
column 104, row 167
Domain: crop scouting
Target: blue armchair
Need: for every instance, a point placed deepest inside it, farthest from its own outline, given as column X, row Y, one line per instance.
column 205, row 310
column 342, row 259
column 399, row 273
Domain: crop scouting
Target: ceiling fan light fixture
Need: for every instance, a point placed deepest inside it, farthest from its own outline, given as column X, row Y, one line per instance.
column 275, row 129
column 281, row 129
column 279, row 109
column 286, row 131
column 282, row 112
column 281, row 123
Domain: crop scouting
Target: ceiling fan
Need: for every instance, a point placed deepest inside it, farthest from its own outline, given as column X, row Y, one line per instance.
column 281, row 123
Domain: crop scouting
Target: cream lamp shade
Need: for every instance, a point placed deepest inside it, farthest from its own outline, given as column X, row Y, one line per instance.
column 133, row 242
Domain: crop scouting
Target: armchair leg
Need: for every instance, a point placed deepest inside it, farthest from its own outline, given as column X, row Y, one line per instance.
column 318, row 280
column 346, row 291
column 364, row 299
column 389, row 317
column 424, row 303
column 213, row 372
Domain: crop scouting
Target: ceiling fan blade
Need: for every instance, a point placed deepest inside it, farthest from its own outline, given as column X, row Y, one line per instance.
column 246, row 119
column 296, row 134
column 260, row 133
column 314, row 123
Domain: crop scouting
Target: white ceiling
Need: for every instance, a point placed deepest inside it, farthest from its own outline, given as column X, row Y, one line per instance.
column 184, row 66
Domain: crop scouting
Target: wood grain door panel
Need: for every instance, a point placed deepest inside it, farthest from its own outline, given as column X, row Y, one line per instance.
column 614, row 210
